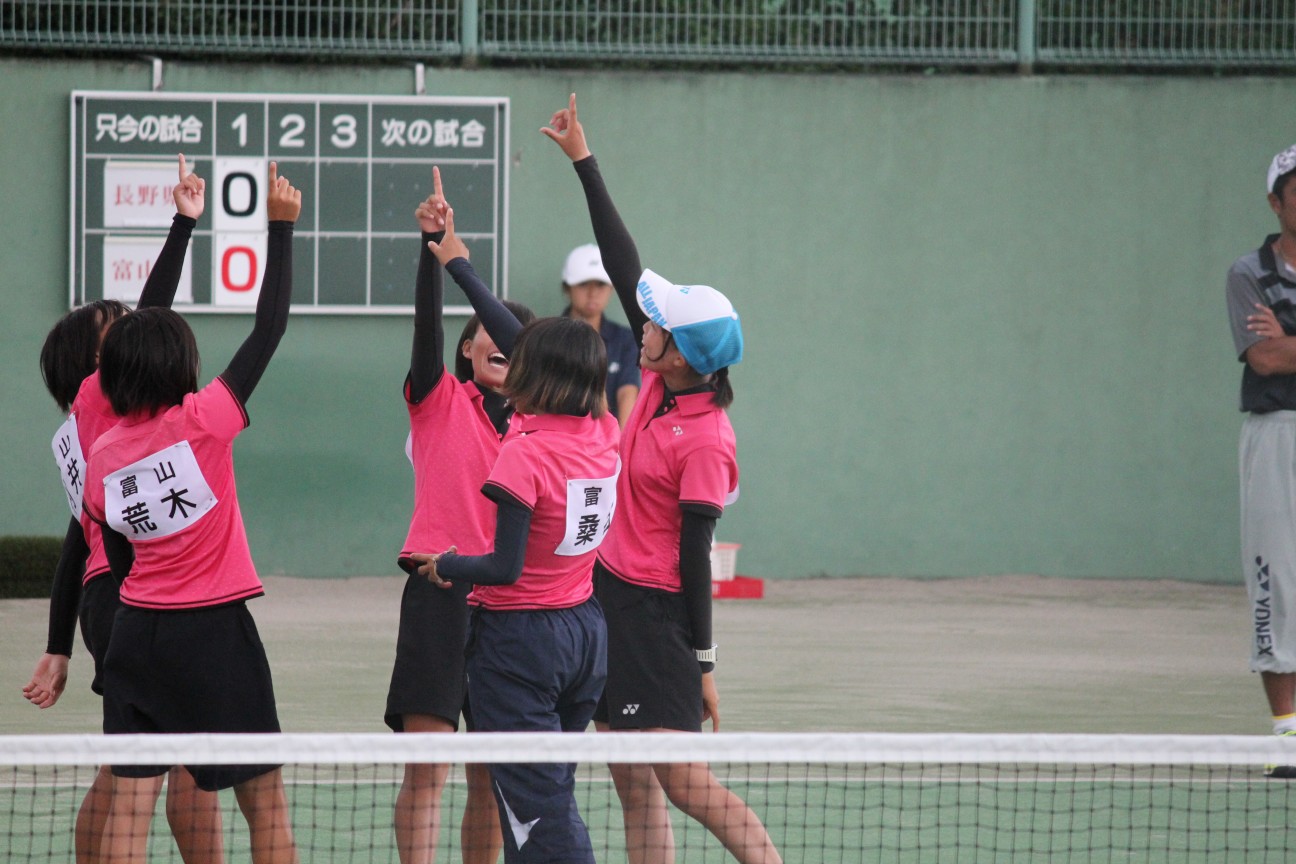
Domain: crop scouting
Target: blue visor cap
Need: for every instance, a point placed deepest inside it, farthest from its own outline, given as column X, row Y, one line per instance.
column 705, row 327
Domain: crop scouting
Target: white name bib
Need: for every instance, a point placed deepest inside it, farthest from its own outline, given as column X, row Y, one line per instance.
column 71, row 463
column 157, row 496
column 590, row 504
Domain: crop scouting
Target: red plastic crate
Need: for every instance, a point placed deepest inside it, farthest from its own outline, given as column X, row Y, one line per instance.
column 739, row 588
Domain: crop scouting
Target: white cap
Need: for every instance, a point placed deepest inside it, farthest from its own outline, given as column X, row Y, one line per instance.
column 585, row 264
column 703, row 322
column 1281, row 164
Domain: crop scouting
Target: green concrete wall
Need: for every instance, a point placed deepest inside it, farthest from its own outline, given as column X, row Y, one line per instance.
column 984, row 315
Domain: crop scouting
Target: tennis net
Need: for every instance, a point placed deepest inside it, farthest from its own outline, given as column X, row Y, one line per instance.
column 822, row 797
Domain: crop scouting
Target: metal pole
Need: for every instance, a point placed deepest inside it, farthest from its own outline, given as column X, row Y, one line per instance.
column 155, row 63
column 468, row 31
column 1026, row 36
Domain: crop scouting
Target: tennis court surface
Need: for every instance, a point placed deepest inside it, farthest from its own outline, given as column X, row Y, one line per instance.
column 943, row 657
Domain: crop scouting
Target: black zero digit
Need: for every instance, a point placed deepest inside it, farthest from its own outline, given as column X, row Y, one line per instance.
column 252, row 193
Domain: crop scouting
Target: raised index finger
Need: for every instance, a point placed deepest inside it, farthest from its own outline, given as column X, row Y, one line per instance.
column 571, row 106
column 274, row 174
column 184, row 168
column 436, row 181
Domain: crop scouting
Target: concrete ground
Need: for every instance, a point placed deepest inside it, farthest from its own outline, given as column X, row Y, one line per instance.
column 995, row 654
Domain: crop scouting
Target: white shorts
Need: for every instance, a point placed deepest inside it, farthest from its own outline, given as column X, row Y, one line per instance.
column 1267, row 467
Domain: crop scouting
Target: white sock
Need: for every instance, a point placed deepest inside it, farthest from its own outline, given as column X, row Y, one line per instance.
column 1284, row 724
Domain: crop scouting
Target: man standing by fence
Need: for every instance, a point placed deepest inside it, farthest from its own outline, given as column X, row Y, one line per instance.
column 1261, row 293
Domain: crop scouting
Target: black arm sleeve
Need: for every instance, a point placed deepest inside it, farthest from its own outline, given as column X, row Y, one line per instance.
column 164, row 278
column 65, row 596
column 503, row 566
column 252, row 357
column 695, row 576
column 120, row 554
column 620, row 257
column 427, row 359
column 500, row 323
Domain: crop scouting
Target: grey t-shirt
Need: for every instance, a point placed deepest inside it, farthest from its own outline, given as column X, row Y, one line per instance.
column 1254, row 278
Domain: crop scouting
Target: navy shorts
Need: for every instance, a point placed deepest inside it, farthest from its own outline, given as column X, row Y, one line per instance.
column 428, row 676
column 181, row 671
column 99, row 605
column 538, row 671
column 654, row 680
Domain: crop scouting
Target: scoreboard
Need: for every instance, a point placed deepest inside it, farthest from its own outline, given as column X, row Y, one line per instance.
column 363, row 165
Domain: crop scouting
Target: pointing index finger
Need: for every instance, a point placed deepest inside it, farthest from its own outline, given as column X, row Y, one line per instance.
column 184, row 168
column 436, row 181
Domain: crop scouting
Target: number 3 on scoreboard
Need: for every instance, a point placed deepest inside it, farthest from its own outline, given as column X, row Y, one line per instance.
column 240, row 224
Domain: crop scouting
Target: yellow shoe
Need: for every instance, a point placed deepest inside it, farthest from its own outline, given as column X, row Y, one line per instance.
column 1282, row 772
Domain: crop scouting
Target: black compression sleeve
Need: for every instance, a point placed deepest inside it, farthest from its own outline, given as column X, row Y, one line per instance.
column 252, row 357
column 427, row 360
column 65, row 596
column 499, row 322
column 164, row 278
column 696, row 532
column 502, row 566
column 620, row 257
column 120, row 554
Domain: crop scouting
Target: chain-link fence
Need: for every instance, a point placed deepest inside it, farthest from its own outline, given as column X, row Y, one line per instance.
column 1167, row 32
column 1045, row 33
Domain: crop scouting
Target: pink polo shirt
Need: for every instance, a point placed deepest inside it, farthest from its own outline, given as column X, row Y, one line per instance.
column 93, row 415
column 564, row 470
column 686, row 456
column 452, row 446
column 167, row 483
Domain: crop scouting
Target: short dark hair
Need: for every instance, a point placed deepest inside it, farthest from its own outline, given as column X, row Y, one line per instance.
column 71, row 350
column 149, row 362
column 559, row 366
column 1280, row 183
column 463, row 369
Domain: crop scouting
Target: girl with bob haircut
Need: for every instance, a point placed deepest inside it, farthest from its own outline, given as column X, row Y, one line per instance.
column 82, row 589
column 456, row 424
column 71, row 350
column 536, row 650
column 653, row 574
column 185, row 655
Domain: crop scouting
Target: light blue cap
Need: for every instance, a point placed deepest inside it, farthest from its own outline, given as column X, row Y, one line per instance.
column 706, row 329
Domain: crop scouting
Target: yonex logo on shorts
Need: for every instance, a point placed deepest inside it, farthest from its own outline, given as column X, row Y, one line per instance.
column 631, row 709
column 1263, row 611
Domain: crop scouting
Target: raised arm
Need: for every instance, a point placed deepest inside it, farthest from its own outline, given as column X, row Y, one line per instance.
column 251, row 359
column 164, row 278
column 620, row 256
column 501, row 324
column 427, row 358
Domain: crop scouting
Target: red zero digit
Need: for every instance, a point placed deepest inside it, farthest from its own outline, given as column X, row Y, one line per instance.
column 228, row 257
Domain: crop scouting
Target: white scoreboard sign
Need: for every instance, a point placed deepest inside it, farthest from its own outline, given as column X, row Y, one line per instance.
column 363, row 165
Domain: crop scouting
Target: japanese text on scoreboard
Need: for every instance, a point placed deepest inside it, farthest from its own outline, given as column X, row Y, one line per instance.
column 363, row 165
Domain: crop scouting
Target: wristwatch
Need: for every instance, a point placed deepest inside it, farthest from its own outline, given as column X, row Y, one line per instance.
column 706, row 656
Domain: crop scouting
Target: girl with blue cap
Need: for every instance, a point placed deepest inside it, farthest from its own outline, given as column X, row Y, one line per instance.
column 653, row 575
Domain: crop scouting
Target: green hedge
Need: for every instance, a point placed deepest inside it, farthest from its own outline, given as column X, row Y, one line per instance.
column 27, row 565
